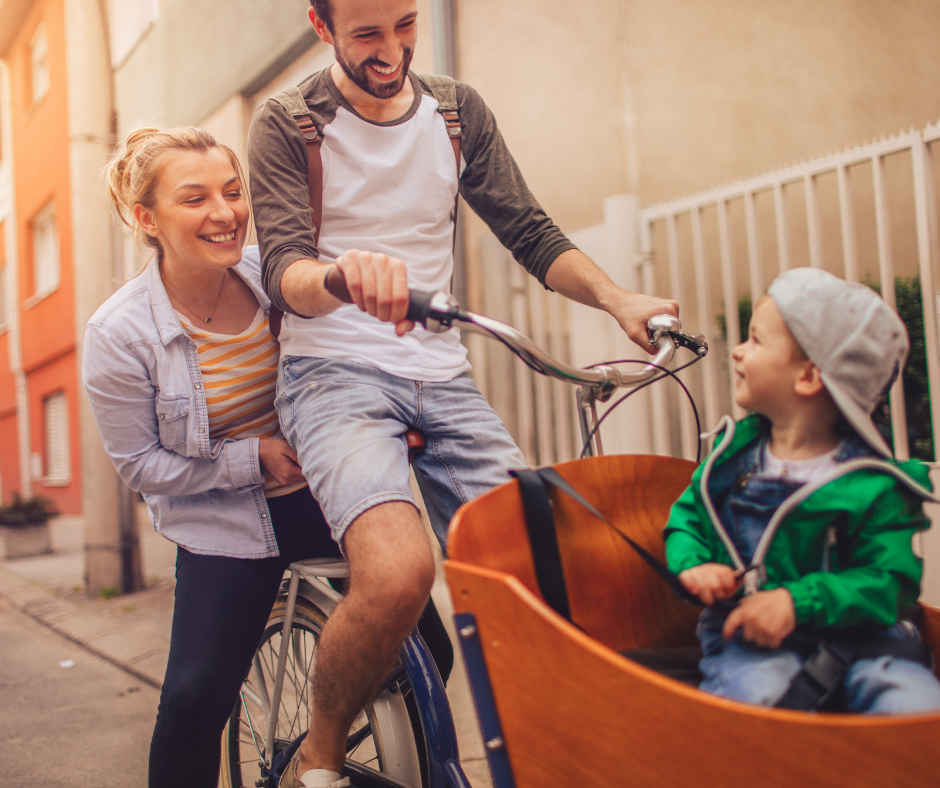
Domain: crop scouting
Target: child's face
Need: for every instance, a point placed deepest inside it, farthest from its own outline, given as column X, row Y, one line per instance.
column 768, row 364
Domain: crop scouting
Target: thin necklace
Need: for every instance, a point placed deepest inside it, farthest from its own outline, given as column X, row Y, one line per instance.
column 214, row 309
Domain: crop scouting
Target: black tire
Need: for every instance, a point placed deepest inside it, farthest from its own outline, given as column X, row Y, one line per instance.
column 244, row 748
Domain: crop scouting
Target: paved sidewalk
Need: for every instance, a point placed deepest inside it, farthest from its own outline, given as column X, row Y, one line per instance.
column 133, row 631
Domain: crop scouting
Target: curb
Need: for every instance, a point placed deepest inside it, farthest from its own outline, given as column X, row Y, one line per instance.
column 108, row 639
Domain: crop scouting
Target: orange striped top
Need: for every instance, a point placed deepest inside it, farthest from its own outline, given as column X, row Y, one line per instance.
column 239, row 373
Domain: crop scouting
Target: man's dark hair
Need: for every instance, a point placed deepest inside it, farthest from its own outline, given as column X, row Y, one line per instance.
column 324, row 10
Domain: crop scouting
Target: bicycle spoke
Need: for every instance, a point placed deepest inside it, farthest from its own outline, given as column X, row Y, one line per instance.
column 291, row 671
column 251, row 727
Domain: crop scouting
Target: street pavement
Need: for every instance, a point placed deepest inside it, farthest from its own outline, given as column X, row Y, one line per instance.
column 69, row 719
column 118, row 645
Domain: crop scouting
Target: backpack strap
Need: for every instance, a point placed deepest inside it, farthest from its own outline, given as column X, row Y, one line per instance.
column 444, row 89
column 293, row 101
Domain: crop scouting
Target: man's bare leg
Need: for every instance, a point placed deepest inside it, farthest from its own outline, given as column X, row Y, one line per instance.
column 391, row 572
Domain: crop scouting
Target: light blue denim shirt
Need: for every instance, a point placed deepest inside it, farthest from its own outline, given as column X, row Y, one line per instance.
column 142, row 377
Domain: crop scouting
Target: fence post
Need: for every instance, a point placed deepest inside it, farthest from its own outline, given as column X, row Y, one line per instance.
column 631, row 429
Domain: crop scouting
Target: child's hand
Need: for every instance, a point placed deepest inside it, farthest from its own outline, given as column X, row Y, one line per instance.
column 764, row 618
column 710, row 582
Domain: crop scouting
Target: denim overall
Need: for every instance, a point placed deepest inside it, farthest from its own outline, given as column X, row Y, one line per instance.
column 743, row 671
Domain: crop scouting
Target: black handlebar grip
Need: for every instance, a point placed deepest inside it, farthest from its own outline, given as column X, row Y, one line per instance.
column 419, row 305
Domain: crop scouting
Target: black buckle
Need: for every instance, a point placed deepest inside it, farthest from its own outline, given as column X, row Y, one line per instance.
column 825, row 669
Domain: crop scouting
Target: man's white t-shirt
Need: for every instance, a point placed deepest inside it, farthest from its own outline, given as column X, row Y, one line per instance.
column 388, row 189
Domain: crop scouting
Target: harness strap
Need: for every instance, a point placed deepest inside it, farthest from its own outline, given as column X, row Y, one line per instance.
column 543, row 539
column 823, row 673
column 293, row 101
column 670, row 577
column 444, row 90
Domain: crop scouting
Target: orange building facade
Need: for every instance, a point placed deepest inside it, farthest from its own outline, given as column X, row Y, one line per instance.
column 44, row 417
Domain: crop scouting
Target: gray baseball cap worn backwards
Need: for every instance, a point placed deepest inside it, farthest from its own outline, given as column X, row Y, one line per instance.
column 856, row 340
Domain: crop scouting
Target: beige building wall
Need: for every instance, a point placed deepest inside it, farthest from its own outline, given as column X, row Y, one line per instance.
column 666, row 97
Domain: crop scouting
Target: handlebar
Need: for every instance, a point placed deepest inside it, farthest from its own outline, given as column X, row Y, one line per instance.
column 437, row 311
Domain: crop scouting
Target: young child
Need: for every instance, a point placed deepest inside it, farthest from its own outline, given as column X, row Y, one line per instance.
column 802, row 504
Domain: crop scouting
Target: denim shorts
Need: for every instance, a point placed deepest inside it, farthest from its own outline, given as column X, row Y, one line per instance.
column 347, row 423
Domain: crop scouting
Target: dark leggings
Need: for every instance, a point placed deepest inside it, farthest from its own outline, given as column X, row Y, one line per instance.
column 222, row 605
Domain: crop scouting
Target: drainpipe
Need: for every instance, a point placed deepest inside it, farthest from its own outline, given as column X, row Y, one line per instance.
column 112, row 555
column 444, row 33
column 13, row 296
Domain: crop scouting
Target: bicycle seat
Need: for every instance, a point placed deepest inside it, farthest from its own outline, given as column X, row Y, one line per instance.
column 416, row 443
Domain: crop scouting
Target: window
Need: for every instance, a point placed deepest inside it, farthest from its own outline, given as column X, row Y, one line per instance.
column 55, row 417
column 39, row 57
column 45, row 251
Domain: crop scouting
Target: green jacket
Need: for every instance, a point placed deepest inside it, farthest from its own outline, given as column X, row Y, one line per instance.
column 841, row 546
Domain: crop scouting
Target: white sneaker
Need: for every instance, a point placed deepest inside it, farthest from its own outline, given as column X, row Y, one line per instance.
column 315, row 778
column 324, row 778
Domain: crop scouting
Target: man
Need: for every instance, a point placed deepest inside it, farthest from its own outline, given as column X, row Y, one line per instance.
column 357, row 377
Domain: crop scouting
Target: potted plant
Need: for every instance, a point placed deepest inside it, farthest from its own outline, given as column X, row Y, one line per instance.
column 24, row 526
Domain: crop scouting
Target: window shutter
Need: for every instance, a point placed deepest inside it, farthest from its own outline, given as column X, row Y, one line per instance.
column 56, row 418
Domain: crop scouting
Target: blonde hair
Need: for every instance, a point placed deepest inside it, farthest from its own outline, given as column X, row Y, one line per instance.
column 134, row 171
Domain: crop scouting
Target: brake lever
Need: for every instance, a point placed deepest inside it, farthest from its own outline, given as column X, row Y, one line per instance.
column 696, row 343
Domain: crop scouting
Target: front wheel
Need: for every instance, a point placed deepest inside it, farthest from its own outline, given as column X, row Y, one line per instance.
column 385, row 740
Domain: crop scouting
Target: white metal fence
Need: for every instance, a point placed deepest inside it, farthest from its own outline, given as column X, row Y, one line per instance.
column 867, row 214
column 694, row 250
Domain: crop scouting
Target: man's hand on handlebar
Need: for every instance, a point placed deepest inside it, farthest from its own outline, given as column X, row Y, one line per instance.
column 378, row 285
column 633, row 311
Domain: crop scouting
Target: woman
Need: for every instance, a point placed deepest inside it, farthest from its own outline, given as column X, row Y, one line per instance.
column 180, row 369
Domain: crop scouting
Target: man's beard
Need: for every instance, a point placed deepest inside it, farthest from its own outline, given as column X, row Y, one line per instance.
column 358, row 74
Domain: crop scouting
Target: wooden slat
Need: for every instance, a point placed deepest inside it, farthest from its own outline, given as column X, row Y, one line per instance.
column 928, row 250
column 730, row 294
column 574, row 712
column 783, row 228
column 660, row 433
column 544, row 408
column 703, row 302
column 886, row 269
column 847, row 222
column 525, row 398
column 814, row 231
column 755, row 267
column 563, row 393
column 687, row 434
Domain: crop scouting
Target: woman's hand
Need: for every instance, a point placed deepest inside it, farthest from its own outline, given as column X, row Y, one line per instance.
column 280, row 460
column 764, row 618
column 710, row 582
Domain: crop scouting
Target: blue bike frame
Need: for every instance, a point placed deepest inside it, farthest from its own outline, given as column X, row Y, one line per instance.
column 437, row 725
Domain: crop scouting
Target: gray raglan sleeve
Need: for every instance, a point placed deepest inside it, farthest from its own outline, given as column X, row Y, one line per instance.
column 280, row 200
column 494, row 188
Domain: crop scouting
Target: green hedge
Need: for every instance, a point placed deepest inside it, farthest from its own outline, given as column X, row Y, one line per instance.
column 26, row 511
